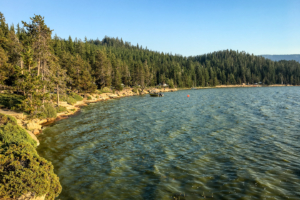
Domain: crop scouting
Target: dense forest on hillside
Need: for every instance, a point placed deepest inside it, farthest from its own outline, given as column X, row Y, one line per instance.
column 33, row 62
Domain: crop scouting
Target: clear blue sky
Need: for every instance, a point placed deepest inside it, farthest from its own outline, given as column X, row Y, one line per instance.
column 184, row 27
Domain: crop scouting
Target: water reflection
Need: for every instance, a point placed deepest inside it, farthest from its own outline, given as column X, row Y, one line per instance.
column 234, row 143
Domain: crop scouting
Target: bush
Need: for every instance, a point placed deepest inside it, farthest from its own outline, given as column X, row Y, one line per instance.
column 134, row 90
column 10, row 132
column 106, row 90
column 89, row 97
column 49, row 110
column 71, row 100
column 119, row 87
column 63, row 97
column 54, row 97
column 60, row 109
column 22, row 171
column 12, row 101
column 75, row 96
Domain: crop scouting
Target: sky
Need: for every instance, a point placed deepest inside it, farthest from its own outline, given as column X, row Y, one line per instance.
column 190, row 27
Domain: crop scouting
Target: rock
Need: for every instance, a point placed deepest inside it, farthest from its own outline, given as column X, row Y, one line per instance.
column 31, row 126
column 42, row 121
column 112, row 96
column 36, row 132
column 37, row 121
column 50, row 119
column 33, row 137
column 30, row 196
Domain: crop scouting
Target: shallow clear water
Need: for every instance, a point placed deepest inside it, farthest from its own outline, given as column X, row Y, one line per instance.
column 231, row 143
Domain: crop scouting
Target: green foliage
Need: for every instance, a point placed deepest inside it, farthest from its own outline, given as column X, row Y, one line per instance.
column 89, row 97
column 63, row 97
column 22, row 170
column 77, row 97
column 106, row 90
column 12, row 133
column 99, row 91
column 11, row 101
column 61, row 109
column 135, row 90
column 71, row 100
column 68, row 99
column 119, row 87
column 49, row 110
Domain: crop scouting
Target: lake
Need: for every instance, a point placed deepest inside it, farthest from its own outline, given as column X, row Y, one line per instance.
column 227, row 143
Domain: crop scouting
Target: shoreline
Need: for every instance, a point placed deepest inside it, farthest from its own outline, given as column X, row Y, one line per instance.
column 34, row 127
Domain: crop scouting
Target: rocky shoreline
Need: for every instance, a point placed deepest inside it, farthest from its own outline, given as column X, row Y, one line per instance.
column 34, row 126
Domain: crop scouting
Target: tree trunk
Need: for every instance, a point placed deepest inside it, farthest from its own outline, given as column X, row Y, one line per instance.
column 22, row 66
column 57, row 92
column 44, row 91
column 39, row 63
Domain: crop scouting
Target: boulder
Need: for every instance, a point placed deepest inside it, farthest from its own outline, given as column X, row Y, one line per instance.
column 42, row 121
column 34, row 137
column 36, row 132
column 30, row 196
column 112, row 96
column 31, row 126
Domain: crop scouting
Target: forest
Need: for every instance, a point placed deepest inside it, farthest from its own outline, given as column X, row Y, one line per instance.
column 34, row 63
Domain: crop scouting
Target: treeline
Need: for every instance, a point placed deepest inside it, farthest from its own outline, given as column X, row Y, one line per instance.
column 34, row 63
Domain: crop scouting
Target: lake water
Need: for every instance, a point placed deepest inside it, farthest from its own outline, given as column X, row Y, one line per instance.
column 231, row 143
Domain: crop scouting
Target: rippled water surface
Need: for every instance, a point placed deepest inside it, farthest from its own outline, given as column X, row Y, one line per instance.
column 231, row 143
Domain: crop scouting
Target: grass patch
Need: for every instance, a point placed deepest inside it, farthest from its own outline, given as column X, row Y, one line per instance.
column 105, row 90
column 61, row 109
column 75, row 96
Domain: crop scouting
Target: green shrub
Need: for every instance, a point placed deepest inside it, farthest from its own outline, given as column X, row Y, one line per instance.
column 71, row 100
column 63, row 97
column 99, row 91
column 54, row 97
column 134, row 90
column 49, row 110
column 75, row 96
column 119, row 87
column 22, row 171
column 89, row 97
column 12, row 101
column 106, row 90
column 10, row 132
column 60, row 109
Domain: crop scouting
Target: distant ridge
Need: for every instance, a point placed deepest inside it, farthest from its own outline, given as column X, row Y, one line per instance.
column 283, row 57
